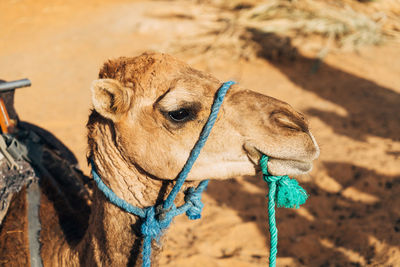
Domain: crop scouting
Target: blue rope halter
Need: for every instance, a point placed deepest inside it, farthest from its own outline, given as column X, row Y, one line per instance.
column 158, row 218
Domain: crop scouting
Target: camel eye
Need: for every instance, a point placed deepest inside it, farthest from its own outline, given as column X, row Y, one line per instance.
column 179, row 115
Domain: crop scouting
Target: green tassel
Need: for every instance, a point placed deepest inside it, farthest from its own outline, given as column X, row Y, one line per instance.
column 289, row 193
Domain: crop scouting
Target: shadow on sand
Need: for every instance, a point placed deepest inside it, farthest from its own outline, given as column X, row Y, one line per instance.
column 357, row 225
column 338, row 228
column 371, row 109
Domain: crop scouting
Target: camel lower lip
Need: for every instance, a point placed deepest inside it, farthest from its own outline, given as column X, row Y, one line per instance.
column 288, row 167
column 279, row 166
column 298, row 162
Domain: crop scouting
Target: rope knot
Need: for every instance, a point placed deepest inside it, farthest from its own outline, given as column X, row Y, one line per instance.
column 264, row 168
column 289, row 193
column 153, row 226
column 272, row 178
column 193, row 197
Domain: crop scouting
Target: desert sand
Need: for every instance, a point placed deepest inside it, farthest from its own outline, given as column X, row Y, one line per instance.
column 352, row 217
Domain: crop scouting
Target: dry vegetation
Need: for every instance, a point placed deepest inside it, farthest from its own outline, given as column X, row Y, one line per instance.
column 247, row 28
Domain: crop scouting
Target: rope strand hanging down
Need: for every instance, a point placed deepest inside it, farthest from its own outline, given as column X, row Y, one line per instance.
column 285, row 192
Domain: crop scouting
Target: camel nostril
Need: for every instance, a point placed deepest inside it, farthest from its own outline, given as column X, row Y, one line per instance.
column 291, row 121
column 285, row 122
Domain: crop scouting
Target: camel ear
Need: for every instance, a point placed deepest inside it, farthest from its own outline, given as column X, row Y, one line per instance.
column 110, row 98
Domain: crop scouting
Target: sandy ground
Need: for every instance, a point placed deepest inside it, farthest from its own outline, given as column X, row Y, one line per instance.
column 353, row 103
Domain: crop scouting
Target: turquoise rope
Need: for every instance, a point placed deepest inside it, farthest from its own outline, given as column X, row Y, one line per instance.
column 284, row 191
column 158, row 218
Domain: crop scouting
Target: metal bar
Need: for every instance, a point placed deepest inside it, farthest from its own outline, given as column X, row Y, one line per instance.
column 8, row 86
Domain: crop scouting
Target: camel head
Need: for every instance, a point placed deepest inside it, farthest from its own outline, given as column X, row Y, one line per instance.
column 158, row 106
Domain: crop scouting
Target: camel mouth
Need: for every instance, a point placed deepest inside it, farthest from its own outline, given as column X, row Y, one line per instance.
column 276, row 165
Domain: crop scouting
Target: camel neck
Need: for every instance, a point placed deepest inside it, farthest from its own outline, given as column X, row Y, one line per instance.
column 113, row 236
column 123, row 177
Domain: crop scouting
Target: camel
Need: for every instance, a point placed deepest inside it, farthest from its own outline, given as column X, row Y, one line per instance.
column 147, row 114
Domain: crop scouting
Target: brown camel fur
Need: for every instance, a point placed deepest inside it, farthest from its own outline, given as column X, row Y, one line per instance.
column 148, row 113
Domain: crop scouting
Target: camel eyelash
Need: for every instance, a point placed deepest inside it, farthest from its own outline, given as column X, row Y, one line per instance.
column 180, row 115
column 183, row 114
